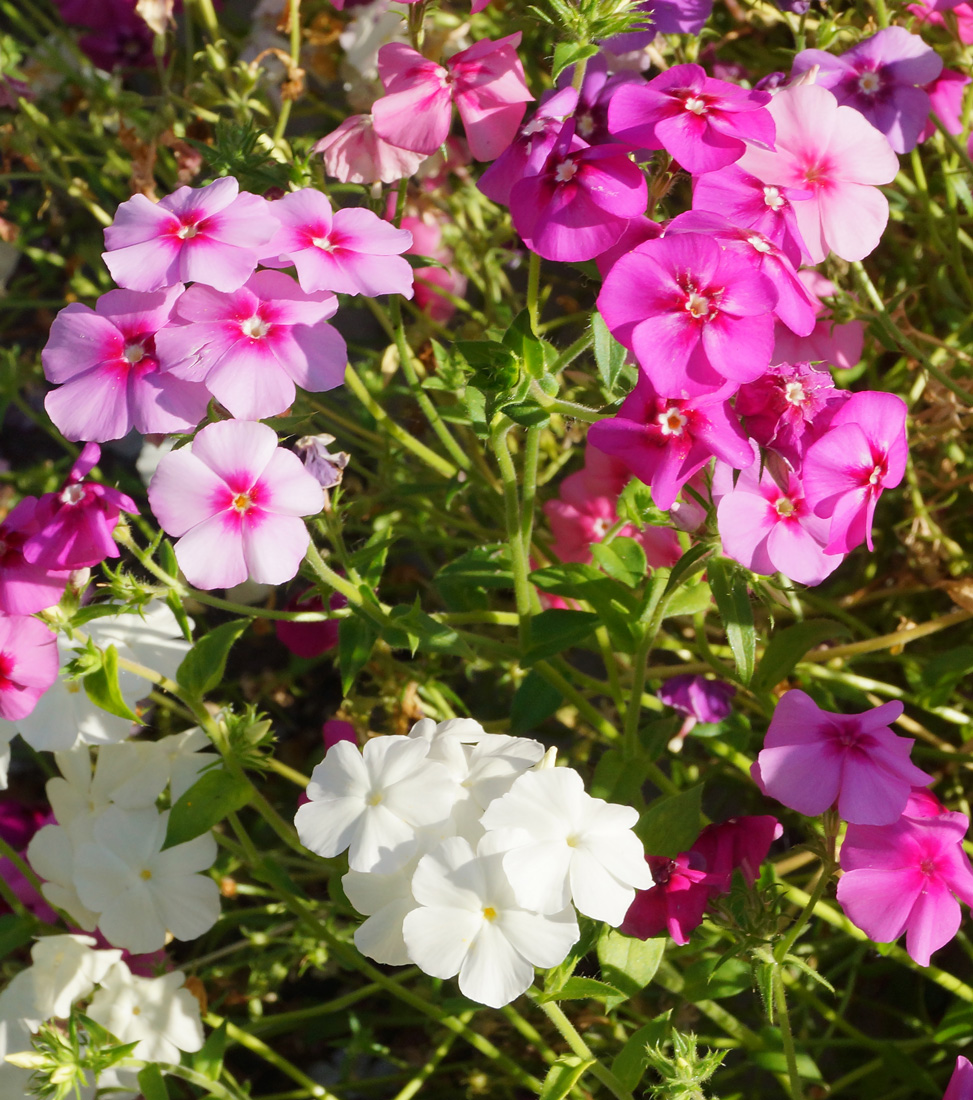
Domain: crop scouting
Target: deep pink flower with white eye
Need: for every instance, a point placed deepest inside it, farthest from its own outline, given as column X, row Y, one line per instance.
column 813, row 758
column 845, row 472
column 772, row 530
column 882, row 78
column 251, row 346
column 28, row 664
column 906, row 877
column 310, row 640
column 25, row 588
column 702, row 122
column 961, row 1083
column 74, row 526
column 354, row 153
column 828, row 342
column 581, row 200
column 485, row 81
column 234, row 500
column 838, row 156
column 210, row 235
column 351, row 251
column 930, row 11
column 665, row 440
column 107, row 368
column 946, row 94
column 698, row 317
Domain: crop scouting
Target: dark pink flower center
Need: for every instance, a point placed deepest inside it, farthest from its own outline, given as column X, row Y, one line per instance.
column 795, row 394
column 700, row 306
column 134, row 352
column 187, row 230
column 6, row 670
column 817, row 171
column 244, row 502
column 672, row 421
column 785, row 507
column 874, row 477
column 74, row 494
column 661, row 869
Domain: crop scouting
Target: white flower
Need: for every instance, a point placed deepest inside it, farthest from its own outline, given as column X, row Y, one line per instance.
column 562, row 844
column 19, row 1019
column 157, row 1013
column 186, row 761
column 51, row 853
column 385, row 900
column 6, row 733
column 140, row 891
column 373, row 802
column 469, row 923
column 65, row 970
column 131, row 774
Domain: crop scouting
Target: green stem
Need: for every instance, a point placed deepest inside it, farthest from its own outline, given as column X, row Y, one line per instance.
column 571, row 353
column 654, row 610
column 881, row 13
column 211, row 1088
column 579, row 1047
column 566, row 408
column 533, row 292
column 295, row 41
column 268, row 1054
column 785, row 944
column 432, row 1062
column 529, row 486
column 787, row 1038
column 207, row 14
column 518, row 553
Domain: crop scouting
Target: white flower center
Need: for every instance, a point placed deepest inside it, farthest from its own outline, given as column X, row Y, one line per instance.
column 759, row 244
column 322, row 243
column 773, row 198
column 187, row 232
column 73, row 494
column 785, row 506
column 145, row 874
column 672, row 422
column 697, row 304
column 565, row 171
column 255, row 327
column 535, row 126
column 869, row 83
column 875, row 476
column 598, row 528
column 585, row 125
column 794, row 393
column 242, row 503
column 134, row 353
column 696, row 104
column 374, row 798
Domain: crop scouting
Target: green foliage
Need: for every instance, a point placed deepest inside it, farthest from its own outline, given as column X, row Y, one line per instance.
column 214, row 795
column 203, row 667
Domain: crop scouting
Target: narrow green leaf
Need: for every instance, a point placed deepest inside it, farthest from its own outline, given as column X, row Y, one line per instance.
column 101, row 687
column 14, row 932
column 581, row 989
column 630, row 1062
column 691, row 563
column 209, row 1059
column 609, row 353
column 152, row 1084
column 214, row 795
column 533, row 701
column 529, row 414
column 556, row 630
column 356, row 639
column 627, row 963
column 623, row 559
column 563, row 1075
column 786, row 648
column 203, row 666
column 672, row 823
column 730, row 590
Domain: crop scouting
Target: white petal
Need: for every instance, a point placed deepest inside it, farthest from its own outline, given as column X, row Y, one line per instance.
column 328, row 827
column 380, row 936
column 542, row 940
column 189, row 906
column 494, row 973
column 538, row 874
column 438, row 939
column 596, row 892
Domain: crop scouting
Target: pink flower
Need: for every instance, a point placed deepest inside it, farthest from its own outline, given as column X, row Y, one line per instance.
column 208, row 234
column 839, row 157
column 309, row 640
column 74, row 527
column 354, row 153
column 664, row 440
column 961, row 1083
column 486, row 82
column 845, row 472
column 828, row 342
column 234, row 500
column 697, row 317
column 702, row 122
column 350, row 251
column 930, row 11
column 106, row 362
column 28, row 664
column 250, row 347
column 906, row 877
column 946, row 101
column 334, row 730
column 25, row 588
column 812, row 758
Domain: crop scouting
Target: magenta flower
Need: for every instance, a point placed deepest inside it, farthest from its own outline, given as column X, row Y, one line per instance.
column 838, row 156
column 828, row 342
column 812, row 758
column 25, row 588
column 664, row 440
column 946, row 103
column 701, row 122
column 882, row 78
column 105, row 361
column 350, row 251
column 594, row 96
column 773, row 530
column 250, row 347
column 697, row 698
column 310, row 640
column 354, row 153
column 662, row 17
column 961, row 1083
column 845, row 472
column 697, row 317
column 234, row 500
column 906, row 877
column 580, row 202
column 28, row 664
column 74, row 527
column 485, row 81
column 208, row 235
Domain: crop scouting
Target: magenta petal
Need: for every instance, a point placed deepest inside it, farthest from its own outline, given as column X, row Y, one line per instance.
column 800, row 776
column 215, row 263
column 417, row 118
column 79, row 340
column 745, row 520
column 880, row 902
column 362, row 231
column 286, row 488
column 146, row 266
column 251, row 383
column 94, row 406
column 933, row 922
column 321, row 366
column 871, row 792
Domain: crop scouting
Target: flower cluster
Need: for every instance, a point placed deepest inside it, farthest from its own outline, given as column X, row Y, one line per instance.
column 469, row 852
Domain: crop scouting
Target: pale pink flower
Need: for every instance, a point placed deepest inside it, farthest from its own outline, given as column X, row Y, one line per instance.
column 28, row 664
column 234, row 499
column 354, row 153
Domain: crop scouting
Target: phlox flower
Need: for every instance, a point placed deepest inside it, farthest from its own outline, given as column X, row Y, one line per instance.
column 74, row 527
column 882, row 78
column 373, row 802
column 19, row 1019
column 354, row 153
column 251, row 347
column 836, row 154
column 350, row 251
column 209, row 235
column 700, row 121
column 52, row 855
column 469, row 922
column 234, row 500
column 698, row 317
column 946, row 94
column 594, row 96
column 698, row 700
column 828, row 342
column 105, row 365
column 310, row 639
column 65, row 969
column 813, row 758
column 385, row 901
column 961, row 1083
column 906, row 876
column 664, row 441
column 24, row 587
column 562, row 845
column 845, row 472
column 28, row 664
column 486, row 82
column 662, row 17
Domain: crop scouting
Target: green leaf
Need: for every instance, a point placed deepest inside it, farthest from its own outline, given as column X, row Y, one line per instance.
column 556, row 630
column 730, row 590
column 570, row 53
column 942, row 674
column 690, row 600
column 609, row 353
column 214, row 795
column 614, row 603
column 529, row 414
column 691, row 563
column 424, row 632
column 533, row 702
column 209, row 1059
column 627, row 963
column 152, row 1084
column 786, row 648
column 582, row 989
column 15, row 932
column 495, row 367
column 356, row 640
column 101, row 687
column 203, row 666
column 369, row 561
column 771, row 1057
column 563, row 1075
column 520, row 339
column 630, row 1062
column 672, row 823
column 623, row 560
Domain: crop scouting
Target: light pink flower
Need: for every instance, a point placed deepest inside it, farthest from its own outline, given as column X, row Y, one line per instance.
column 106, row 364
column 25, row 588
column 354, row 153
column 840, row 157
column 946, row 94
column 813, row 758
column 841, row 345
column 251, row 346
column 208, row 235
column 234, row 500
column 28, row 664
column 350, row 251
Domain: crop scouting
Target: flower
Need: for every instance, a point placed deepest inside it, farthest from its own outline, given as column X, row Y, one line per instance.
column 234, row 500
column 65, row 970
column 961, row 1083
column 946, row 94
column 699, row 699
column 251, row 347
column 828, row 342
column 24, row 587
column 28, row 664
column 208, row 234
column 812, row 758
column 354, row 153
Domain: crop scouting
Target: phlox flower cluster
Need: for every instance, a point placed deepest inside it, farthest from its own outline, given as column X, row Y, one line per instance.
column 469, row 852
